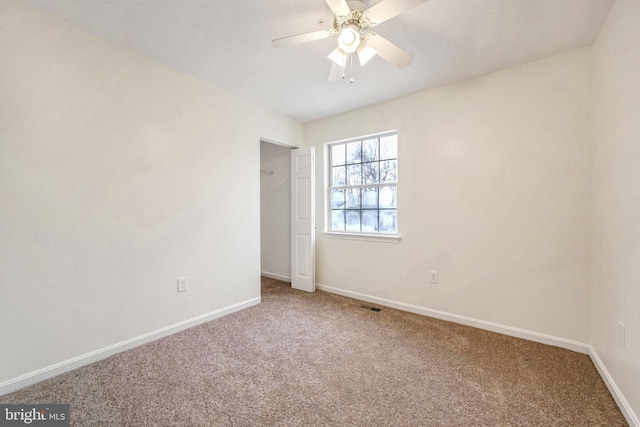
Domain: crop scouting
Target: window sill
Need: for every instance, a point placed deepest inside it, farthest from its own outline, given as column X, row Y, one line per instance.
column 384, row 238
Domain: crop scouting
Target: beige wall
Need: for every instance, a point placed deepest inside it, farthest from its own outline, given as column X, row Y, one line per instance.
column 493, row 193
column 117, row 175
column 615, row 286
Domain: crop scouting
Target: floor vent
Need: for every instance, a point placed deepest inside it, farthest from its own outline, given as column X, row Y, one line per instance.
column 366, row 307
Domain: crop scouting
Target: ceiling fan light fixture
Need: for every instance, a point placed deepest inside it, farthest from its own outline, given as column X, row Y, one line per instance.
column 349, row 39
column 365, row 53
column 352, row 21
column 339, row 56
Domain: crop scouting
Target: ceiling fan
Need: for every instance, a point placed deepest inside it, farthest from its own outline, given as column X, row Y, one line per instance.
column 352, row 22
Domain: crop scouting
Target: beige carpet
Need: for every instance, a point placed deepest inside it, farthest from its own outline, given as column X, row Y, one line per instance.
column 320, row 359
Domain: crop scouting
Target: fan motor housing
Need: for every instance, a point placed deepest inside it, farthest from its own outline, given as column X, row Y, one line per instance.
column 356, row 18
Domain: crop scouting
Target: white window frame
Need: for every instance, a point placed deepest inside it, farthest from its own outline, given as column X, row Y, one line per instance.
column 368, row 236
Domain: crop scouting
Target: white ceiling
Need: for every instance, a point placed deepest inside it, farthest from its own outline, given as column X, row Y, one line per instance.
column 228, row 43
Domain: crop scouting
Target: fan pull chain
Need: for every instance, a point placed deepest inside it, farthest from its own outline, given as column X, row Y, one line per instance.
column 351, row 61
column 348, row 63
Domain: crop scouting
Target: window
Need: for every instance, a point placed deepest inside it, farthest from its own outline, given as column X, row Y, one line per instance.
column 363, row 185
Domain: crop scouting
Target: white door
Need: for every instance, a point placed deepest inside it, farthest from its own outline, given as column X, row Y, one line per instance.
column 303, row 223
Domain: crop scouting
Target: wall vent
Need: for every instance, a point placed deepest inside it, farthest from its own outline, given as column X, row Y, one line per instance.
column 366, row 307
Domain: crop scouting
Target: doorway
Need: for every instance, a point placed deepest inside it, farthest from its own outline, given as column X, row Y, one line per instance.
column 275, row 210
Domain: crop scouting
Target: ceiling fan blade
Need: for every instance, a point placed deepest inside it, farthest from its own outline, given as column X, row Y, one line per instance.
column 302, row 38
column 387, row 9
column 336, row 73
column 389, row 51
column 338, row 7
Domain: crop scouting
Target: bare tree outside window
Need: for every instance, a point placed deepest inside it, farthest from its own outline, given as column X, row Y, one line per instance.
column 363, row 185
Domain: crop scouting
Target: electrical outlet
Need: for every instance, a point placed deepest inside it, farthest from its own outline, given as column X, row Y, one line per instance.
column 182, row 284
column 621, row 333
column 433, row 276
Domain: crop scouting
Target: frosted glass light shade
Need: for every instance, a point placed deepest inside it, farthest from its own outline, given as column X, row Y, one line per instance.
column 339, row 57
column 349, row 39
column 365, row 53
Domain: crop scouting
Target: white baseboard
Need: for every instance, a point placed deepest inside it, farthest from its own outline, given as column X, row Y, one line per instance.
column 624, row 406
column 94, row 356
column 480, row 324
column 579, row 347
column 276, row 276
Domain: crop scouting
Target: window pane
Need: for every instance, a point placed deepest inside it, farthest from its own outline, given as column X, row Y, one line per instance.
column 338, row 177
column 370, row 150
column 388, row 196
column 353, row 198
column 353, row 221
column 337, row 220
column 370, row 198
column 363, row 180
column 370, row 172
column 337, row 198
column 370, row 221
column 387, row 221
column 389, row 147
column 389, row 171
column 354, row 152
column 337, row 155
column 354, row 174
